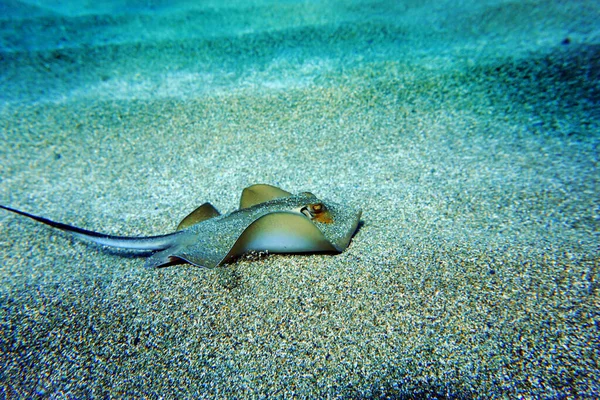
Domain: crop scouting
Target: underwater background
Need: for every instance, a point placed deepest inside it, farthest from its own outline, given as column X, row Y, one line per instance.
column 467, row 131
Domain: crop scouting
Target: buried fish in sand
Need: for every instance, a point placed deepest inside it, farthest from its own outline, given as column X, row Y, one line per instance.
column 269, row 219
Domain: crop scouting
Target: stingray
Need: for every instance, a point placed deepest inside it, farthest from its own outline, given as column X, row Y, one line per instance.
column 269, row 219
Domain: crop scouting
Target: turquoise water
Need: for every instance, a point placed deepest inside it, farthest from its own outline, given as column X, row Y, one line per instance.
column 185, row 49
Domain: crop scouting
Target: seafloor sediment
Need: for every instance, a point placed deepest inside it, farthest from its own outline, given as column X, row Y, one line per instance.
column 468, row 135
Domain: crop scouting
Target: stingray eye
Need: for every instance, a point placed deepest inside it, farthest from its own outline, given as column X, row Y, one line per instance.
column 317, row 212
column 313, row 210
column 317, row 208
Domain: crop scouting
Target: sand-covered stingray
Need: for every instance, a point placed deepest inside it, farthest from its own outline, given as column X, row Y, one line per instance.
column 269, row 219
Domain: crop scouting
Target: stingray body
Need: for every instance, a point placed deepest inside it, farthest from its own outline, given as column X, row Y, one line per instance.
column 269, row 219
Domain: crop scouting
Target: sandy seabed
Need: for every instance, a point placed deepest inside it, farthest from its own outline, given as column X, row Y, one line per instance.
column 468, row 133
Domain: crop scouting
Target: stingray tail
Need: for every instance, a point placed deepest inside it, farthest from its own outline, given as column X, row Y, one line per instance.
column 133, row 243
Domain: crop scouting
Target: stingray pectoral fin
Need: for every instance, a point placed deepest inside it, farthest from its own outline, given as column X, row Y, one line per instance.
column 176, row 255
column 202, row 213
column 281, row 232
column 192, row 249
column 261, row 193
column 163, row 259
